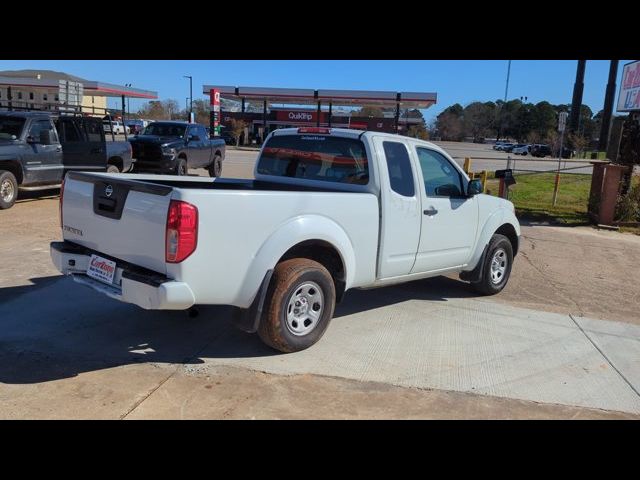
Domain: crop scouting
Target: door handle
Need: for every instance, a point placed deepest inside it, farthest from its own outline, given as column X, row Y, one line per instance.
column 430, row 212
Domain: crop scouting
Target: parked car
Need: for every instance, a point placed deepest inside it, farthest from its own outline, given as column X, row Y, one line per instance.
column 118, row 127
column 37, row 148
column 540, row 150
column 507, row 147
column 498, row 144
column 521, row 149
column 173, row 147
column 135, row 126
column 329, row 210
column 545, row 150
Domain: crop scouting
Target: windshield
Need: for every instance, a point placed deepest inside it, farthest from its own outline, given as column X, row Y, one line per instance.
column 10, row 127
column 165, row 130
column 315, row 157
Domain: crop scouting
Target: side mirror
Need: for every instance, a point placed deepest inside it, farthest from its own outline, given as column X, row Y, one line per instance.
column 474, row 187
column 45, row 137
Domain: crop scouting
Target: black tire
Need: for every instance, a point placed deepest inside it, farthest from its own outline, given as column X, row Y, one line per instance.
column 112, row 169
column 494, row 280
column 215, row 169
column 8, row 189
column 293, row 279
column 181, row 167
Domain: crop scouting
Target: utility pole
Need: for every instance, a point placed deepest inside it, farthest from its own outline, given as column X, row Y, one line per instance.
column 506, row 91
column 576, row 103
column 608, row 106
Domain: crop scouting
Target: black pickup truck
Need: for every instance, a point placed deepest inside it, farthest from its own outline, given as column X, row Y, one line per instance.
column 38, row 148
column 174, row 147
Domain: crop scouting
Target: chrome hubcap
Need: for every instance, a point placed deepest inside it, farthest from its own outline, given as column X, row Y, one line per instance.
column 6, row 191
column 304, row 308
column 498, row 266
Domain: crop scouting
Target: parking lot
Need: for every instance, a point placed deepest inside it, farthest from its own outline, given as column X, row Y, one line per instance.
column 561, row 341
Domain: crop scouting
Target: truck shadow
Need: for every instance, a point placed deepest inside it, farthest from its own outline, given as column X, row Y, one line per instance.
column 52, row 330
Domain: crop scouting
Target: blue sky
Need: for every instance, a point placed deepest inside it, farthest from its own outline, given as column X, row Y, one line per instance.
column 461, row 81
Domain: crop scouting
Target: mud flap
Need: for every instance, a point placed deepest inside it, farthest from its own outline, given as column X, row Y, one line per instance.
column 248, row 319
column 475, row 275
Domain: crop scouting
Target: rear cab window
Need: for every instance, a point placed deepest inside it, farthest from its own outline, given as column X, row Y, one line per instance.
column 315, row 157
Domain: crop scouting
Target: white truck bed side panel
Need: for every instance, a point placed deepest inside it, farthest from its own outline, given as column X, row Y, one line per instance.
column 239, row 228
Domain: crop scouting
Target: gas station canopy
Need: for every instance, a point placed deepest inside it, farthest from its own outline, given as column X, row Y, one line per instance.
column 304, row 96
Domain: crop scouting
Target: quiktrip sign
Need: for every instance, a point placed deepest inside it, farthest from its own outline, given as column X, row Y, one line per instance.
column 214, row 96
column 629, row 96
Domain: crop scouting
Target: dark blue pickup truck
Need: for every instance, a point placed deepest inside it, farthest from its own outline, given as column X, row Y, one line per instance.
column 38, row 148
column 172, row 147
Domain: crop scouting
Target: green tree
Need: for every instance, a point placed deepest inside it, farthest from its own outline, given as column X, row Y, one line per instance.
column 477, row 118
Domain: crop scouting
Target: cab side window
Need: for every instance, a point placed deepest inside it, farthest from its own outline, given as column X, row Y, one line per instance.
column 399, row 168
column 42, row 125
column 441, row 179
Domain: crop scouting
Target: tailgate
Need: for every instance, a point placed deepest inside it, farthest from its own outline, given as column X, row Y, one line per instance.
column 123, row 218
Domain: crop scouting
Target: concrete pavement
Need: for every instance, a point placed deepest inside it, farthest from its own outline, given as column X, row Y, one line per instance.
column 70, row 352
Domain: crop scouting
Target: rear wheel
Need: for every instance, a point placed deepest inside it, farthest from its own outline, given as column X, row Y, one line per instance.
column 497, row 266
column 299, row 306
column 112, row 169
column 8, row 189
column 181, row 168
column 215, row 169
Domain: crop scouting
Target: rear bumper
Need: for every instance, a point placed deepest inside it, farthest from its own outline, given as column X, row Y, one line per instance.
column 147, row 289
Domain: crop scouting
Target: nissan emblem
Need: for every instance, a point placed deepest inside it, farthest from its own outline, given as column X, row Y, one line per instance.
column 108, row 190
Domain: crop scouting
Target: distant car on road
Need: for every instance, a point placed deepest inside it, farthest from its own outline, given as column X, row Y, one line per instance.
column 507, row 147
column 498, row 145
column 521, row 149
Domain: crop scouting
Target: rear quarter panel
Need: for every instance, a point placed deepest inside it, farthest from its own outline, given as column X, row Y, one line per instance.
column 242, row 234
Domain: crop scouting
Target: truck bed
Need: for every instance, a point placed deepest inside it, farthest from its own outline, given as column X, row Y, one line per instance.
column 242, row 223
column 220, row 183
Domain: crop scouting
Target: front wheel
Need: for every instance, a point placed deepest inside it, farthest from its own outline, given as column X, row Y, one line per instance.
column 112, row 169
column 8, row 189
column 299, row 306
column 497, row 266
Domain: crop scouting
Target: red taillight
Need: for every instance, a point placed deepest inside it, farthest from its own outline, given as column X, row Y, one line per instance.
column 61, row 197
column 321, row 130
column 181, row 236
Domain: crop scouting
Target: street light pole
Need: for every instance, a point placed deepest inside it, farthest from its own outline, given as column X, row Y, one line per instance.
column 506, row 90
column 190, row 95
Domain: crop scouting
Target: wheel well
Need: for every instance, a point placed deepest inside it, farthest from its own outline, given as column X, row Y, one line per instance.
column 325, row 254
column 183, row 155
column 13, row 167
column 509, row 231
column 117, row 161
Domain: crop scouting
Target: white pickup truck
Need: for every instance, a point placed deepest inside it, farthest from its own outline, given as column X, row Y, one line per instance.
column 329, row 210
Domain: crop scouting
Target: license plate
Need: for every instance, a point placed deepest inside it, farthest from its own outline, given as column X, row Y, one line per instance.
column 101, row 269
